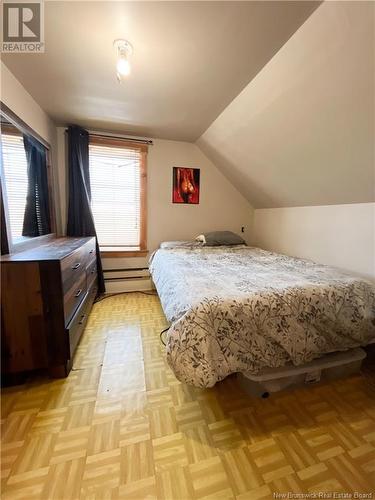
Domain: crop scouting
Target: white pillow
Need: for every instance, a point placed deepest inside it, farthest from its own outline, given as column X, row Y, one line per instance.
column 201, row 238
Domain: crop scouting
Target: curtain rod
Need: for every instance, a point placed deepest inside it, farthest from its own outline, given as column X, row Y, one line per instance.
column 132, row 139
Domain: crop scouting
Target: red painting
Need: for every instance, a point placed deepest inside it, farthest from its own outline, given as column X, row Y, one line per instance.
column 185, row 185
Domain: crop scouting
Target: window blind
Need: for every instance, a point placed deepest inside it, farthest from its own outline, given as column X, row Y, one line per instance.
column 115, row 180
column 15, row 173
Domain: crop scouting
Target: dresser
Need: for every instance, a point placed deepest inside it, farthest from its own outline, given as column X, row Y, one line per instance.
column 47, row 294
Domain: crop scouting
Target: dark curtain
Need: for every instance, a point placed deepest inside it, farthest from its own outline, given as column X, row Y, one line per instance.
column 36, row 221
column 80, row 218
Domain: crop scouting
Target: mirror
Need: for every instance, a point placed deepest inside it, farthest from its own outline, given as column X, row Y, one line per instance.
column 25, row 183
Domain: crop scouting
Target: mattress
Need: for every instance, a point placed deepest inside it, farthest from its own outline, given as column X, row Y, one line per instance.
column 243, row 309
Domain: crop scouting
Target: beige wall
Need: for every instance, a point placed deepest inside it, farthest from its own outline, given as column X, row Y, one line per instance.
column 220, row 207
column 338, row 235
column 16, row 97
column 302, row 131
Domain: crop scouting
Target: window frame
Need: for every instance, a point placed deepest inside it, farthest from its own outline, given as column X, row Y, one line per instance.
column 141, row 250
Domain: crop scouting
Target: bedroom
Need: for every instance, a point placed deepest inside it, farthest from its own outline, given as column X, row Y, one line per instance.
column 216, row 339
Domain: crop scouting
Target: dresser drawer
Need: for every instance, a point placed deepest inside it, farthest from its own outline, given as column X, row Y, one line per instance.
column 91, row 272
column 73, row 268
column 76, row 327
column 74, row 296
column 89, row 250
column 77, row 324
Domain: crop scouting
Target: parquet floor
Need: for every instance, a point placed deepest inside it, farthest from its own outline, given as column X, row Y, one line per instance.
column 122, row 426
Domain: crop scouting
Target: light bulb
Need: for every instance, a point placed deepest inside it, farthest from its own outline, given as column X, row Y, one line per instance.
column 123, row 66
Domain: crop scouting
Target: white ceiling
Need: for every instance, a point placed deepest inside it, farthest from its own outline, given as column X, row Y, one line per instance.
column 191, row 59
column 303, row 131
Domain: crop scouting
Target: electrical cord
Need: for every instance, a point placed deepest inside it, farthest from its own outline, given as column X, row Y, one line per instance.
column 107, row 296
column 161, row 338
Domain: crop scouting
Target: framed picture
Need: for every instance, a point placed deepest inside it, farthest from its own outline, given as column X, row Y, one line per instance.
column 185, row 185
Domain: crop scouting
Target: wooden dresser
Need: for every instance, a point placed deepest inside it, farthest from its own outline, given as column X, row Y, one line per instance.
column 46, row 296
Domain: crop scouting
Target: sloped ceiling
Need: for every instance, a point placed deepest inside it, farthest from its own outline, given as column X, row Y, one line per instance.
column 190, row 60
column 302, row 131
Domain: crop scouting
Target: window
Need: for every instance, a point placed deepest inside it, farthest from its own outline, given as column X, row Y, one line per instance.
column 15, row 173
column 118, row 198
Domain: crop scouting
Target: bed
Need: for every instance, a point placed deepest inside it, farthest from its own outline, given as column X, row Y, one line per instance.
column 242, row 309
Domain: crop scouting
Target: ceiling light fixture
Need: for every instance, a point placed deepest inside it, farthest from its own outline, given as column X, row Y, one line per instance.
column 124, row 49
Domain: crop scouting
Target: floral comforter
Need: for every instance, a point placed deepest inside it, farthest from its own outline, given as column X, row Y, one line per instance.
column 241, row 309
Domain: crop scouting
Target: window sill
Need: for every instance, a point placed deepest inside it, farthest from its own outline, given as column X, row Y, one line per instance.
column 122, row 252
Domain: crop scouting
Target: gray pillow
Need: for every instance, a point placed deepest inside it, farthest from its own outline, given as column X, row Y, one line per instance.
column 217, row 238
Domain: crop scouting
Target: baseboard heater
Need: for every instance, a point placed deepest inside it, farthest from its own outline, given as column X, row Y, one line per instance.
column 127, row 279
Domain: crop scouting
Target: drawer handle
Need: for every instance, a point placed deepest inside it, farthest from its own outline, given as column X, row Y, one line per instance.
column 91, row 251
column 93, row 271
column 76, row 266
column 82, row 319
column 78, row 293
